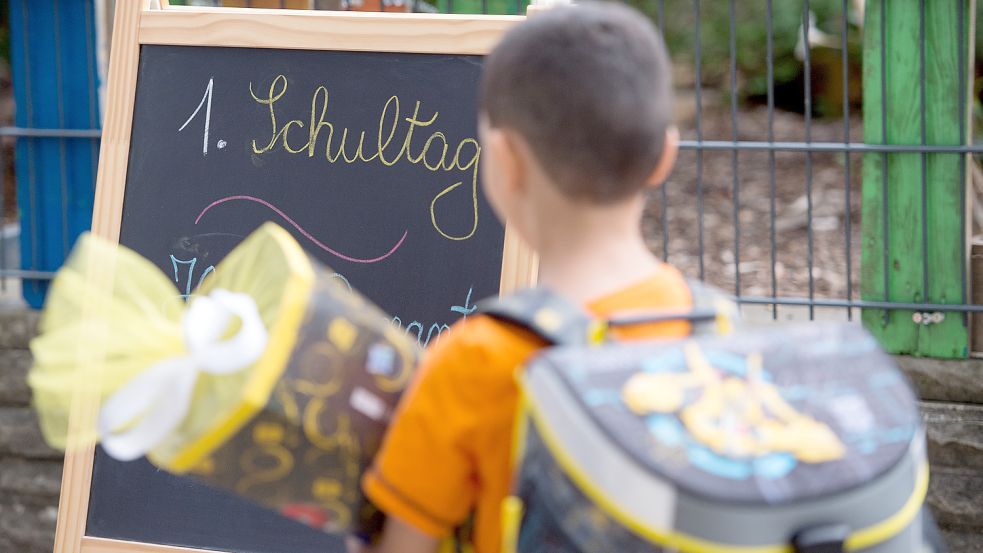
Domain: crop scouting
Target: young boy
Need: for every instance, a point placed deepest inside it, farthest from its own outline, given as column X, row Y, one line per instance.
column 575, row 125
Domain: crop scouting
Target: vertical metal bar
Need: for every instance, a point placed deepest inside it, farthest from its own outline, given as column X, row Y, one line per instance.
column 885, row 228
column 90, row 73
column 484, row 7
column 3, row 216
column 62, row 151
column 847, row 213
column 733, row 156
column 3, row 208
column 807, row 70
column 924, row 158
column 698, row 62
column 772, row 188
column 663, row 193
column 963, row 46
column 283, row 4
column 31, row 176
column 90, row 61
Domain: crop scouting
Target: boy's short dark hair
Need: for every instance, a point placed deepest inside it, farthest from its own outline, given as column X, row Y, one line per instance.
column 589, row 88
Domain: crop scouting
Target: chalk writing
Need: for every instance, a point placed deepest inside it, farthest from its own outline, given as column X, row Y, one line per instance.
column 188, row 279
column 425, row 334
column 433, row 155
column 344, row 280
column 206, row 100
column 301, row 229
column 467, row 308
column 434, row 331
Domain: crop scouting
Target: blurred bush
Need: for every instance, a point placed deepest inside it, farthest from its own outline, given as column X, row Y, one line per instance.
column 751, row 28
column 752, row 31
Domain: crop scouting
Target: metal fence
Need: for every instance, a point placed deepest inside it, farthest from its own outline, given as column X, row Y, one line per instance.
column 54, row 135
column 906, row 266
column 768, row 195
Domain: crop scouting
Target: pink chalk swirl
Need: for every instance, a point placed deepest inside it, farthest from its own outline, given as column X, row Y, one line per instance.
column 301, row 229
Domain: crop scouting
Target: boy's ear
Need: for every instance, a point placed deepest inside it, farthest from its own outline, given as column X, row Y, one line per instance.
column 670, row 150
column 505, row 149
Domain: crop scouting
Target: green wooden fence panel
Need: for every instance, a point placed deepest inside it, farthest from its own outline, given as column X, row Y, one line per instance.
column 893, row 202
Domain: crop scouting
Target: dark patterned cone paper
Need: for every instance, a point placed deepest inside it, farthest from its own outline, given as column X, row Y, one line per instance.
column 304, row 453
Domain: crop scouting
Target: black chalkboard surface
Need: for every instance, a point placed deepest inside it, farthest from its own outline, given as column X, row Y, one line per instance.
column 370, row 159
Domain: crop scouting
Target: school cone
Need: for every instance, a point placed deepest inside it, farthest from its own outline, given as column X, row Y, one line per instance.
column 275, row 381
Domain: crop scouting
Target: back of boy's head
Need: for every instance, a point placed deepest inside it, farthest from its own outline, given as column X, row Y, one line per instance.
column 589, row 88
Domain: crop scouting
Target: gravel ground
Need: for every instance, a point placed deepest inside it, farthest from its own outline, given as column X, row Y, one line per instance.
column 753, row 266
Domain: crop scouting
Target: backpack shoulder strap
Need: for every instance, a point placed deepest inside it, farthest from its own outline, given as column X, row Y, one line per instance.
column 557, row 320
column 706, row 297
column 543, row 312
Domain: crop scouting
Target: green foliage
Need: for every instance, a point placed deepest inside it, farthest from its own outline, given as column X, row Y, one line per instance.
column 751, row 38
column 750, row 24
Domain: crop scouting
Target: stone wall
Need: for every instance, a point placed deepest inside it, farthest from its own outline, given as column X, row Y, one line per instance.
column 952, row 406
column 30, row 472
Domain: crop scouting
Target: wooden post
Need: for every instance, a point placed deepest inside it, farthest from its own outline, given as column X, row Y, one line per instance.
column 894, row 260
column 976, row 270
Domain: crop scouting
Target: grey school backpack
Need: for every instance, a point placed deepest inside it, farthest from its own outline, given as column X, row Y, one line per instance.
column 791, row 438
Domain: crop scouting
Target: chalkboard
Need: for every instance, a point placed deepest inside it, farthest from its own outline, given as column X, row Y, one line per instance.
column 421, row 243
column 370, row 159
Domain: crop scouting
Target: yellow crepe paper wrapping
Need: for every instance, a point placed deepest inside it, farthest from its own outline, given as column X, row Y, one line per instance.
column 292, row 431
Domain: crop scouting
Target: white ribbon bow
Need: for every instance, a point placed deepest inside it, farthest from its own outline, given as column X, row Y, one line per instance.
column 160, row 397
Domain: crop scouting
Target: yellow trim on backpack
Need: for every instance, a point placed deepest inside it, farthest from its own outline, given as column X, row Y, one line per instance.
column 512, row 509
column 859, row 539
column 519, row 430
column 891, row 526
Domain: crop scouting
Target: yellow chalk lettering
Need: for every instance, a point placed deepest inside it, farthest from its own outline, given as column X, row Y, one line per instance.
column 286, row 130
column 474, row 205
column 473, row 162
column 358, row 151
column 426, row 149
column 271, row 99
column 392, row 131
column 415, row 122
column 433, row 155
column 316, row 126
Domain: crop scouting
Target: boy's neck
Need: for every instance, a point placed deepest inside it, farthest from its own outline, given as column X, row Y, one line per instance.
column 588, row 252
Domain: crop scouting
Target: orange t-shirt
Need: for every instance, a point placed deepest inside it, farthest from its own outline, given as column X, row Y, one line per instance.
column 448, row 451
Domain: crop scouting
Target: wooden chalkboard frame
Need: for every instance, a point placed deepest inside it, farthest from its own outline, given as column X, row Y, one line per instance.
column 139, row 22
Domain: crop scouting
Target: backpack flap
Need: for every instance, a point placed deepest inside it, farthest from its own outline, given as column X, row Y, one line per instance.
column 721, row 442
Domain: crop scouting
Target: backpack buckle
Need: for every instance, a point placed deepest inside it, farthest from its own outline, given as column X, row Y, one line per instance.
column 597, row 332
column 722, row 322
column 829, row 538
